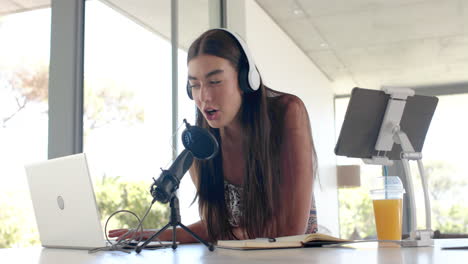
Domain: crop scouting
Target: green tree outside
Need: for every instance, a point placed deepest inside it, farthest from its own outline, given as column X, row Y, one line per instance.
column 356, row 213
column 17, row 226
column 449, row 214
column 113, row 194
column 104, row 103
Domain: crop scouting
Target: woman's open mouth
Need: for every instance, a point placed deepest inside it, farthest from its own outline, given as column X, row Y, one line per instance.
column 211, row 113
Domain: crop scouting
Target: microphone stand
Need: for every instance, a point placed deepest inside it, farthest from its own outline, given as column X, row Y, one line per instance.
column 169, row 181
column 175, row 220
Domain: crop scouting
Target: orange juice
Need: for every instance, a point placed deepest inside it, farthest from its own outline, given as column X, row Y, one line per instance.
column 388, row 218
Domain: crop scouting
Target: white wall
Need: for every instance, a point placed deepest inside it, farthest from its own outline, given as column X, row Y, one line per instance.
column 285, row 67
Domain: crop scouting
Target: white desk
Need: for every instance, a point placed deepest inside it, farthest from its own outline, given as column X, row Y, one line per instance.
column 197, row 253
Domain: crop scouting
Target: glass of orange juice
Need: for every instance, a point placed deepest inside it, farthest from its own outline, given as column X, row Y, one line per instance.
column 388, row 207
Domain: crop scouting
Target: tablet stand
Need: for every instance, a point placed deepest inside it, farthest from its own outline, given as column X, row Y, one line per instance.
column 390, row 133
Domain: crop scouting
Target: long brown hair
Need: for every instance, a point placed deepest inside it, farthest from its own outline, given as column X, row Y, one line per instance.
column 261, row 149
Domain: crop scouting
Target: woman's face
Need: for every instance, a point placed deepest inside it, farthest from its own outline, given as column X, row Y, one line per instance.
column 215, row 89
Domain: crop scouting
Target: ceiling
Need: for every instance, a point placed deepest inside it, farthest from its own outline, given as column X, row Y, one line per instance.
column 370, row 43
column 365, row 43
column 15, row 6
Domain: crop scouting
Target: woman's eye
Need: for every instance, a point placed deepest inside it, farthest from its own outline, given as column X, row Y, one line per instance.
column 215, row 82
column 195, row 85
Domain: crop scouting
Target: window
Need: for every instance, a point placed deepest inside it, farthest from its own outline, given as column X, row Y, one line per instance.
column 24, row 76
column 445, row 164
column 128, row 111
column 127, row 98
column 128, row 102
column 444, row 160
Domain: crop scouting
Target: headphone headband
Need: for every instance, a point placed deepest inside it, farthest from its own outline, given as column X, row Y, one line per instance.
column 253, row 75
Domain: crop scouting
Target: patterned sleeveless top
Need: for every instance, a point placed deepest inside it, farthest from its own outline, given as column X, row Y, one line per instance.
column 233, row 194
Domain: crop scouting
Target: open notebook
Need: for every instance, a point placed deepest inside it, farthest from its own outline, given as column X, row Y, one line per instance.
column 307, row 240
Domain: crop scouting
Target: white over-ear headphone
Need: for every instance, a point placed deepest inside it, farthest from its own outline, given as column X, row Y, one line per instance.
column 253, row 76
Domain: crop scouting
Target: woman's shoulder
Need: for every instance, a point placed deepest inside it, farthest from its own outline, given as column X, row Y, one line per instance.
column 289, row 105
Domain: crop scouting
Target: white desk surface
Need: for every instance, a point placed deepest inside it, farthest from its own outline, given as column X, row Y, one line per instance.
column 198, row 253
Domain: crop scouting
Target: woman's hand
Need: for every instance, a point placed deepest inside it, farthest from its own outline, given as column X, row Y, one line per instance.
column 239, row 233
column 121, row 234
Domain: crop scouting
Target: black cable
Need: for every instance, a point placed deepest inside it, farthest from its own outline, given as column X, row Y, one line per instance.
column 125, row 244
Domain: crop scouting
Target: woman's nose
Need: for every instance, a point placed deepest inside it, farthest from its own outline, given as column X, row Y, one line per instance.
column 205, row 93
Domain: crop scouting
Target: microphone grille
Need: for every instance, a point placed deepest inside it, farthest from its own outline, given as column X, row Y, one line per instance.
column 200, row 142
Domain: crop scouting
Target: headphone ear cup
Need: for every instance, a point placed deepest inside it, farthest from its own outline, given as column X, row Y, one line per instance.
column 189, row 91
column 244, row 80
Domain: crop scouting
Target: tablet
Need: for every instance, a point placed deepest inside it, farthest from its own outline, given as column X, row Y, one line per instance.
column 364, row 116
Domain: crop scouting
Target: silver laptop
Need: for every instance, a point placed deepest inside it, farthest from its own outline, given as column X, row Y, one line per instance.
column 64, row 203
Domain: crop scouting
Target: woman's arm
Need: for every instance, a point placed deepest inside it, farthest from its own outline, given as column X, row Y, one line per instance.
column 297, row 157
column 181, row 236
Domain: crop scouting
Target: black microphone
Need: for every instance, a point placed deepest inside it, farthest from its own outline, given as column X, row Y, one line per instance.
column 169, row 180
column 199, row 143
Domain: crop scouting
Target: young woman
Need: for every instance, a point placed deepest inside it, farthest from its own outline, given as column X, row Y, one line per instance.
column 260, row 183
